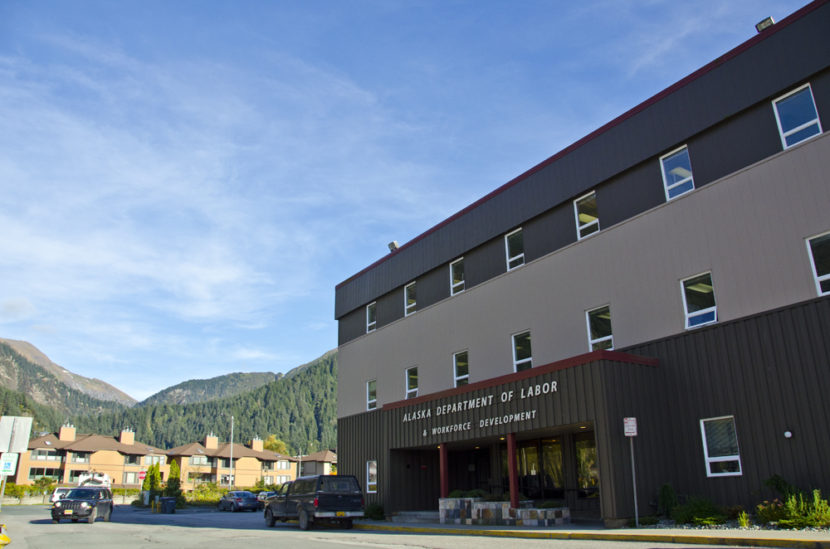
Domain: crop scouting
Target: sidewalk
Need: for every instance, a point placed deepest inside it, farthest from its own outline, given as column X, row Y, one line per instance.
column 745, row 538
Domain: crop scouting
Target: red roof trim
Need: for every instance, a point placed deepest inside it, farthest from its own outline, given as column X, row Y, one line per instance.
column 572, row 362
column 615, row 122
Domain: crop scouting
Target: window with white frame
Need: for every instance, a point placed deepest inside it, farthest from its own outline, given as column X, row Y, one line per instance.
column 599, row 328
column 283, row 465
column 699, row 300
column 282, row 479
column 819, row 249
column 371, row 317
column 199, row 460
column 797, row 116
column 131, row 477
column 522, row 356
column 677, row 172
column 410, row 302
column 80, row 457
column 461, row 368
column 152, row 460
column 372, row 477
column 587, row 218
column 720, row 447
column 371, row 394
column 457, row 276
column 412, row 382
column 514, row 247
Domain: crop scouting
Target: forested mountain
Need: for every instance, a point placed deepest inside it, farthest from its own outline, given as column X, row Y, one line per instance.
column 95, row 388
column 14, row 403
column 299, row 409
column 200, row 390
column 20, row 375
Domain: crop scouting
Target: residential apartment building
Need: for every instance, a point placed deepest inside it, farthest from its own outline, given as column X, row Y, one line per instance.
column 323, row 462
column 673, row 267
column 66, row 455
column 210, row 461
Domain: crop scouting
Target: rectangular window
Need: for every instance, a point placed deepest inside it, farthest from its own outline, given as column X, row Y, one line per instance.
column 150, row 460
column 461, row 368
column 457, row 276
column 371, row 395
column 371, row 317
column 371, row 477
column 198, row 460
column 412, row 382
column 45, row 454
column 699, row 300
column 720, row 447
column 132, row 460
column 797, row 116
column 514, row 247
column 48, row 472
column 282, row 465
column 522, row 357
column 819, row 250
column 131, row 477
column 599, row 328
column 80, row 457
column 410, row 302
column 677, row 172
column 587, row 218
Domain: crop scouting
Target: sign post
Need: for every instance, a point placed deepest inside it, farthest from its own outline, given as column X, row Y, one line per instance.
column 630, row 428
column 14, row 440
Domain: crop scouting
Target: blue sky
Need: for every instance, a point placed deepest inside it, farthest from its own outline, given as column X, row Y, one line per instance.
column 182, row 184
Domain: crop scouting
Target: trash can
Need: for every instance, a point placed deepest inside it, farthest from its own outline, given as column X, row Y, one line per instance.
column 168, row 505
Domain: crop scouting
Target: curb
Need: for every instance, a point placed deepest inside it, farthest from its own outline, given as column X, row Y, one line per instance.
column 600, row 536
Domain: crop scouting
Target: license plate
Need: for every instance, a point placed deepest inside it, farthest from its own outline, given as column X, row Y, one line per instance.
column 341, row 513
column 68, row 512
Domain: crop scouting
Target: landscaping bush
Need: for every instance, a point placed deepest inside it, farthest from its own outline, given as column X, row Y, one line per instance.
column 374, row 511
column 648, row 520
column 806, row 513
column 698, row 511
column 666, row 500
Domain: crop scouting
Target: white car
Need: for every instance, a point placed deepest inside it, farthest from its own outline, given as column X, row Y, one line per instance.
column 58, row 493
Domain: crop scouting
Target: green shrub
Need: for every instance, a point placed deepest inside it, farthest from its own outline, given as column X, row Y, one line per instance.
column 374, row 511
column 780, row 485
column 15, row 490
column 666, row 500
column 551, row 504
column 770, row 511
column 456, row 494
column 808, row 513
column 648, row 520
column 743, row 520
column 698, row 511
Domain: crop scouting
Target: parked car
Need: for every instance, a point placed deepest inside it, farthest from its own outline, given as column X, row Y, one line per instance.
column 86, row 502
column 239, row 500
column 320, row 498
column 264, row 496
column 58, row 493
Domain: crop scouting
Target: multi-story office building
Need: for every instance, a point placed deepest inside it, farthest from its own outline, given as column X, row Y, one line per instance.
column 673, row 266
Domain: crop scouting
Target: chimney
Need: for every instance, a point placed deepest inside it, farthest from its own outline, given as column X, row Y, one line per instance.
column 211, row 442
column 67, row 432
column 127, row 436
column 256, row 445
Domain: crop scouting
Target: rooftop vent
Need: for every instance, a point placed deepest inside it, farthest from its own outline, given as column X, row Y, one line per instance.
column 393, row 245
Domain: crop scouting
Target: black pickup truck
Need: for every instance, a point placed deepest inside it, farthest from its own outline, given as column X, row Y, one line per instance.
column 320, row 498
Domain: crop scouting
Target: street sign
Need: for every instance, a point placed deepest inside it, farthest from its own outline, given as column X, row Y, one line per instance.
column 141, row 475
column 14, row 434
column 8, row 463
column 630, row 426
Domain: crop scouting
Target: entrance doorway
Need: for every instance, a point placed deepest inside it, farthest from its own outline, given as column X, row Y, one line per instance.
column 562, row 468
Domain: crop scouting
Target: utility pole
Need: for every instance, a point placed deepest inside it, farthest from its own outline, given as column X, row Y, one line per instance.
column 231, row 479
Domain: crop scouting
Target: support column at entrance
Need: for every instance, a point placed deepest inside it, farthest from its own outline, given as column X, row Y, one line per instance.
column 444, row 468
column 512, row 471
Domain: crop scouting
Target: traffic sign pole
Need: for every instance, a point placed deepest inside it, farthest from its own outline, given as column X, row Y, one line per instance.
column 630, row 429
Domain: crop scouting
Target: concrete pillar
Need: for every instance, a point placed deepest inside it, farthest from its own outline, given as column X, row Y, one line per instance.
column 444, row 469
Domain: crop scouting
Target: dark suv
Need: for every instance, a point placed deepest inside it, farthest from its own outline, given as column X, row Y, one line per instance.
column 84, row 503
column 321, row 498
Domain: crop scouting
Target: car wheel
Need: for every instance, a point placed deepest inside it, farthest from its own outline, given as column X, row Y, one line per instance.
column 91, row 518
column 269, row 518
column 302, row 518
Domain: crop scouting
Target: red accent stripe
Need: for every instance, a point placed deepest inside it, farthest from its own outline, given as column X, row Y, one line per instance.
column 617, row 121
column 572, row 362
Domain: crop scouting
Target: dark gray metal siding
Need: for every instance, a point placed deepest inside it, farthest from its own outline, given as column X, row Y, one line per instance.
column 774, row 62
column 769, row 371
